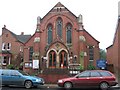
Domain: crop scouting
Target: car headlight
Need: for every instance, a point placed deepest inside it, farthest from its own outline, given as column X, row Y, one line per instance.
column 38, row 80
column 60, row 81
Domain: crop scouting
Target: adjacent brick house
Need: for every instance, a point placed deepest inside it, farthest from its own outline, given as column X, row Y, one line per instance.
column 113, row 51
column 60, row 40
column 12, row 47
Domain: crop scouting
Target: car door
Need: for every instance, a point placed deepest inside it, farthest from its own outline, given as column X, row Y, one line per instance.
column 82, row 79
column 16, row 78
column 95, row 78
column 5, row 77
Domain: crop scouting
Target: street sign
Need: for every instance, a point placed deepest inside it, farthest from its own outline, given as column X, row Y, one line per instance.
column 101, row 63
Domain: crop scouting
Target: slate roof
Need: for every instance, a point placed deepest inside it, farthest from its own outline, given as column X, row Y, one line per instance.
column 23, row 38
column 20, row 38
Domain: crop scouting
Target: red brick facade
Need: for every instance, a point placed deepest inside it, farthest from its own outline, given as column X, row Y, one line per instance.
column 113, row 52
column 82, row 47
column 11, row 48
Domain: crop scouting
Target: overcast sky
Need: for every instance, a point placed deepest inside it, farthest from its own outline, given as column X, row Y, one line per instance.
column 99, row 16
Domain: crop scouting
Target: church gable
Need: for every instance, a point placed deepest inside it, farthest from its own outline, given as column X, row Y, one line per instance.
column 59, row 9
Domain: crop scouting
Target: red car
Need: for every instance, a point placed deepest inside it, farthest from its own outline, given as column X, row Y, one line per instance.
column 90, row 78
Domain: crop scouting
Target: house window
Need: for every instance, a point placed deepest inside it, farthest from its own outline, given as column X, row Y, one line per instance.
column 4, row 61
column 3, row 46
column 8, row 46
column 21, row 48
column 30, row 53
column 59, row 27
column 49, row 34
column 69, row 33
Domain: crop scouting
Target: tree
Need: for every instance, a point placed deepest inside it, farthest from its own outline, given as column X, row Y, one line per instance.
column 102, row 54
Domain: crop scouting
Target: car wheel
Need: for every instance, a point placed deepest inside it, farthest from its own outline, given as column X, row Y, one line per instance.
column 67, row 85
column 104, row 86
column 6, row 85
column 28, row 84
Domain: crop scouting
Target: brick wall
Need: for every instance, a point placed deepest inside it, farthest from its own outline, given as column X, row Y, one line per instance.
column 52, row 78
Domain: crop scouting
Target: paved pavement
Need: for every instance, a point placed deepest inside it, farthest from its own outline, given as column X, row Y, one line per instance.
column 116, row 87
column 56, row 86
column 51, row 87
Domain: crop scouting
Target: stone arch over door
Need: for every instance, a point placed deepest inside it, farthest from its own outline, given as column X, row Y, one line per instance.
column 57, row 59
column 51, row 58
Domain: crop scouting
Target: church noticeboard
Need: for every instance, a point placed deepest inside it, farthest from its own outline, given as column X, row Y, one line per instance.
column 28, row 64
column 35, row 64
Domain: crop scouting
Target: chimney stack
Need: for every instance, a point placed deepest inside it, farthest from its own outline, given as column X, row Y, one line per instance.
column 22, row 33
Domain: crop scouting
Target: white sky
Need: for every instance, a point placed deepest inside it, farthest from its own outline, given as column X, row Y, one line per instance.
column 99, row 16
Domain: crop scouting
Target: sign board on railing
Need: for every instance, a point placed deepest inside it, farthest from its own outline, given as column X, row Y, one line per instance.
column 35, row 64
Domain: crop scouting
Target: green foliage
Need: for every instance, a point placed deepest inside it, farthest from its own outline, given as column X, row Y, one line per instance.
column 11, row 66
column 102, row 54
column 91, row 67
column 80, row 68
column 81, row 54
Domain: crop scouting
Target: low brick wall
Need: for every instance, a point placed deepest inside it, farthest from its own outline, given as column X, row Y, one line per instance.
column 52, row 78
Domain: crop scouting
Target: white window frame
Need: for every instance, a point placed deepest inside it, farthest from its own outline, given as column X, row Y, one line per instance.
column 3, row 61
column 21, row 48
column 3, row 46
column 8, row 46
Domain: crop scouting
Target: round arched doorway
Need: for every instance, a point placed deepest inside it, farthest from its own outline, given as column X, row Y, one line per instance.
column 57, row 59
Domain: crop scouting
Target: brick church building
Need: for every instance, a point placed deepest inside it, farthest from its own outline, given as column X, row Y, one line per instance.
column 60, row 41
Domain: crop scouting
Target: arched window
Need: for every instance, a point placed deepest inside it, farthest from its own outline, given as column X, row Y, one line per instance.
column 59, row 27
column 49, row 28
column 69, row 33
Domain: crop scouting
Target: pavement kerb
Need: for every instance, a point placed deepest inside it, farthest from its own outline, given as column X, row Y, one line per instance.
column 55, row 85
column 51, row 85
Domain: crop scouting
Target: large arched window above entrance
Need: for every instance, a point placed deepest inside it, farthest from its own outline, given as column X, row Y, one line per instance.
column 69, row 33
column 49, row 30
column 59, row 27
